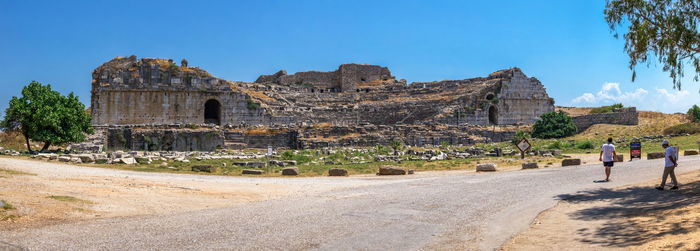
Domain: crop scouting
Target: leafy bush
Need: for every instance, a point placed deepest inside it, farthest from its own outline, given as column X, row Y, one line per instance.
column 554, row 125
column 520, row 135
column 606, row 109
column 584, row 145
column 694, row 114
column 691, row 128
column 559, row 145
column 251, row 105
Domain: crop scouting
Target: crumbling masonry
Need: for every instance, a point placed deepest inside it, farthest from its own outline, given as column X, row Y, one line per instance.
column 155, row 104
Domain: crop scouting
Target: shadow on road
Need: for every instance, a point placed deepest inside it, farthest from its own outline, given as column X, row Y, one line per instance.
column 637, row 215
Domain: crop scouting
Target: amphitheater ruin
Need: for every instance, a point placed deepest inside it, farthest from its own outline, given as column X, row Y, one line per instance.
column 156, row 105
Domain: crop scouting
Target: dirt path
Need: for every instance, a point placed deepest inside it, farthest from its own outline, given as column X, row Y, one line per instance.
column 631, row 218
column 45, row 193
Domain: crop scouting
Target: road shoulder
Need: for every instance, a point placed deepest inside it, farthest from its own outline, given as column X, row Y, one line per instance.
column 636, row 217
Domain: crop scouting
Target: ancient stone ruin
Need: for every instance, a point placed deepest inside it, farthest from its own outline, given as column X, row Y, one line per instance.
column 155, row 104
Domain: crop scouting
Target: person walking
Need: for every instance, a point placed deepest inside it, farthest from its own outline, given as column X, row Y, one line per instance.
column 607, row 156
column 670, row 164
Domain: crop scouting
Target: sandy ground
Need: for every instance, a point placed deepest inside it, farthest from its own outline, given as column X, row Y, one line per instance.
column 629, row 218
column 29, row 185
column 98, row 192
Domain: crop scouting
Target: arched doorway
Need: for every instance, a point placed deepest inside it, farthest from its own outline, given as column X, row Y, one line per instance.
column 212, row 112
column 493, row 115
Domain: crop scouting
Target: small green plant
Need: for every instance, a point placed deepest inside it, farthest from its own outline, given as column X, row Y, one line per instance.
column 584, row 145
column 554, row 125
column 606, row 109
column 444, row 144
column 396, row 145
column 6, row 205
column 65, row 198
column 520, row 135
column 251, row 105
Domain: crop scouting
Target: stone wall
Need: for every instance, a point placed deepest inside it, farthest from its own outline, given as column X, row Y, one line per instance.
column 146, row 139
column 123, row 107
column 623, row 116
column 342, row 80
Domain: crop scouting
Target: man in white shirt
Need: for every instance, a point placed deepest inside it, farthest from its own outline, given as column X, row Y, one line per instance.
column 607, row 156
column 670, row 164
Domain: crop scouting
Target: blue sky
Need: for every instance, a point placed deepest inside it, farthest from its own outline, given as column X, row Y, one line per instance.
column 565, row 44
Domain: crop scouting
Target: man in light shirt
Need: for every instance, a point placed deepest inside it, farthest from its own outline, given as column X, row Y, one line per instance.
column 607, row 156
column 670, row 164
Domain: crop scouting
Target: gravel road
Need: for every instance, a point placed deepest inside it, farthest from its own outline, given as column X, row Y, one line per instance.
column 461, row 211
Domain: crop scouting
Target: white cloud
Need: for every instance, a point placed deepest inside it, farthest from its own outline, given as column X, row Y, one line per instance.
column 611, row 92
column 660, row 99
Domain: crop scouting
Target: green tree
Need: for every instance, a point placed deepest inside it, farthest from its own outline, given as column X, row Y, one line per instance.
column 666, row 29
column 520, row 135
column 554, row 125
column 42, row 114
column 694, row 114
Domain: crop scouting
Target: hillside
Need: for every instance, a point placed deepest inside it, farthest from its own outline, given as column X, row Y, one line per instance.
column 650, row 124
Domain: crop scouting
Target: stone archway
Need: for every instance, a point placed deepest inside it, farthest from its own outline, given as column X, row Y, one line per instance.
column 493, row 115
column 212, row 112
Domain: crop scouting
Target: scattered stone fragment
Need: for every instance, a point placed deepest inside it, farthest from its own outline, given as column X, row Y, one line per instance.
column 204, row 168
column 690, row 152
column 76, row 160
column 411, row 171
column 486, row 167
column 64, row 159
column 571, row 162
column 251, row 171
column 655, row 155
column 391, row 170
column 126, row 160
column 86, row 158
column 291, row 171
column 337, row 172
column 530, row 165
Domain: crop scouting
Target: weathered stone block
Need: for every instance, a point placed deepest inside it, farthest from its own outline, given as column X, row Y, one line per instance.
column 251, row 171
column 658, row 155
column 391, row 170
column 571, row 162
column 126, row 160
column 86, row 158
column 204, row 168
column 64, row 158
column 337, row 172
column 291, row 171
column 530, row 165
column 690, row 152
column 486, row 167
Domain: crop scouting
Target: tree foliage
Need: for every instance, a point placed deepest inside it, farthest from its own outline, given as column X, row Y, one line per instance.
column 554, row 125
column 42, row 114
column 694, row 114
column 668, row 29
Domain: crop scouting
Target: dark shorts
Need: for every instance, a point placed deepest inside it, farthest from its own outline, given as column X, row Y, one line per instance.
column 608, row 163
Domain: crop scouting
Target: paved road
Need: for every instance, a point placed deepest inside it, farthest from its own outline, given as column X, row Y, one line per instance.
column 465, row 211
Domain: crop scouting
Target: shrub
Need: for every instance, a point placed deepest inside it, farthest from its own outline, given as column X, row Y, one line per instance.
column 520, row 135
column 606, row 109
column 691, row 128
column 554, row 125
column 559, row 145
column 694, row 114
column 251, row 105
column 584, row 145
